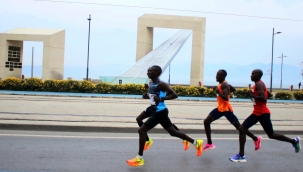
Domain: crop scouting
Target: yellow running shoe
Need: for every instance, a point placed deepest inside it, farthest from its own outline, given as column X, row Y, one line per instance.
column 148, row 144
column 198, row 146
column 135, row 162
column 186, row 144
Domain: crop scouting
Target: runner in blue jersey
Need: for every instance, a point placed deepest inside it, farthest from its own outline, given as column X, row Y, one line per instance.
column 148, row 112
column 157, row 95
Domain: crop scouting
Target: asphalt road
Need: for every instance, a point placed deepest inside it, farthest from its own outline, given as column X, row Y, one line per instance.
column 64, row 151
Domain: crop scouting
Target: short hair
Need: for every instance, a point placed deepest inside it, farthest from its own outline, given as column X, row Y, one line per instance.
column 260, row 72
column 159, row 69
column 224, row 72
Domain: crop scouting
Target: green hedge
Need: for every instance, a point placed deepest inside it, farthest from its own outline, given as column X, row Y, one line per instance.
column 35, row 84
column 298, row 95
column 283, row 96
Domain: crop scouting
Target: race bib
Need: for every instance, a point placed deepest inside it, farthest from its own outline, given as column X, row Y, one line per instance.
column 253, row 100
column 151, row 99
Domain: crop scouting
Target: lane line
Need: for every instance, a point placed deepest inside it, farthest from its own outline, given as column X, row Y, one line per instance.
column 107, row 137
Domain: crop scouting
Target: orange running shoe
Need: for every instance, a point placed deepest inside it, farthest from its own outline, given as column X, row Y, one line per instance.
column 148, row 144
column 198, row 146
column 186, row 144
column 135, row 162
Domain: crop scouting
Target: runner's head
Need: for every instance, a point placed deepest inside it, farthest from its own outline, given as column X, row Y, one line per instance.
column 221, row 74
column 256, row 75
column 154, row 72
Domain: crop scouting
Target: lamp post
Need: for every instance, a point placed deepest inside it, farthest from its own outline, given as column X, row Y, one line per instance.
column 89, row 19
column 281, row 69
column 32, row 71
column 272, row 55
column 169, row 74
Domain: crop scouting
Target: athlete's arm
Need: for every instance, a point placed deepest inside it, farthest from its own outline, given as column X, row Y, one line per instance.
column 145, row 95
column 171, row 94
column 260, row 90
column 224, row 94
column 231, row 89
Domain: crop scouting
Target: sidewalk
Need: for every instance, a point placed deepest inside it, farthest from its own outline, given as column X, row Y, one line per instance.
column 126, row 96
column 22, row 110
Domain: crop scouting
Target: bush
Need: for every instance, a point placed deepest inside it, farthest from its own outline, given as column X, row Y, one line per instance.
column 51, row 85
column 209, row 92
column 241, row 93
column 71, row 86
column 192, row 91
column 12, row 83
column 2, row 86
column 270, row 95
column 32, row 84
column 180, row 90
column 86, row 87
column 103, row 88
column 201, row 91
column 297, row 95
column 133, row 88
column 283, row 96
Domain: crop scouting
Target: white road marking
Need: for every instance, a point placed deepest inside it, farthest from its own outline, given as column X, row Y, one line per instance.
column 107, row 137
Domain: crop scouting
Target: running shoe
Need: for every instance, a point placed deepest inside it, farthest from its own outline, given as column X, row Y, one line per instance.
column 135, row 162
column 238, row 158
column 198, row 146
column 208, row 146
column 297, row 145
column 186, row 144
column 258, row 143
column 148, row 144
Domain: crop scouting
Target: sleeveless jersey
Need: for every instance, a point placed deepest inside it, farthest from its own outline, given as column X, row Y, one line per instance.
column 223, row 105
column 155, row 90
column 259, row 106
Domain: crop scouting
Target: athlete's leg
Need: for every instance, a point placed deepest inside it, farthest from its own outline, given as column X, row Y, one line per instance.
column 176, row 133
column 150, row 123
column 213, row 115
column 209, row 119
column 268, row 128
column 142, row 138
column 248, row 133
column 248, row 122
column 140, row 119
column 168, row 126
column 175, row 127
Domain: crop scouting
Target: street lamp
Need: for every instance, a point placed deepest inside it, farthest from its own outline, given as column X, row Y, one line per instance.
column 272, row 55
column 169, row 74
column 89, row 19
column 32, row 71
column 281, row 69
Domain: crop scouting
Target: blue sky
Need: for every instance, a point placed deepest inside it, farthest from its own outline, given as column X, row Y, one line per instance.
column 233, row 42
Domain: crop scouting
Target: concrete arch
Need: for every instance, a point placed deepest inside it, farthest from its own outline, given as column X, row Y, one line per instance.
column 147, row 22
column 53, row 51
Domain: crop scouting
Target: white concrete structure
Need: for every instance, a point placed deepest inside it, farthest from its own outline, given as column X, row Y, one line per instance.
column 161, row 56
column 11, row 51
column 147, row 22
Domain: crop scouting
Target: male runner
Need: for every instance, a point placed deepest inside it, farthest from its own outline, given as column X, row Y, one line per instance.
column 260, row 114
column 224, row 109
column 146, row 114
column 157, row 95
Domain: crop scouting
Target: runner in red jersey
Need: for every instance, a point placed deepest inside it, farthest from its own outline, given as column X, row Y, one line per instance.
column 224, row 108
column 260, row 114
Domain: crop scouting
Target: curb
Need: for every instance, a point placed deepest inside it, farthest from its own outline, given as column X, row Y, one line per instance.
column 139, row 97
column 101, row 129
